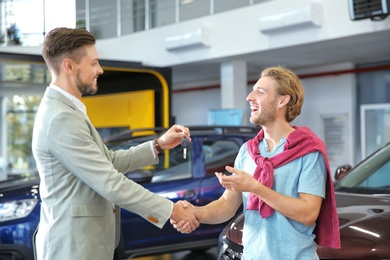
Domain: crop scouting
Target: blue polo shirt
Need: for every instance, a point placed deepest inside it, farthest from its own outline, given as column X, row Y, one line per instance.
column 278, row 237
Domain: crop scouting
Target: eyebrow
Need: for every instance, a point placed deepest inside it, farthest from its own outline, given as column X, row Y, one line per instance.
column 257, row 87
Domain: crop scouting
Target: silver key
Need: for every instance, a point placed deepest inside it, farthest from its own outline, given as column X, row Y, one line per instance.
column 184, row 144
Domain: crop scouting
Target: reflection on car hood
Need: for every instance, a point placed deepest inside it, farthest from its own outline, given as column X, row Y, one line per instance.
column 17, row 183
column 355, row 207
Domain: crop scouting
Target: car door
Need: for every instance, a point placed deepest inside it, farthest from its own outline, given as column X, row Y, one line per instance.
column 190, row 179
column 172, row 178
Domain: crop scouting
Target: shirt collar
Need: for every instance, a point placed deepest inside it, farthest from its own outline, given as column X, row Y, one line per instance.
column 77, row 102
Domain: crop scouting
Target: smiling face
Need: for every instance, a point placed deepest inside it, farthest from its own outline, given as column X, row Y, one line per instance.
column 263, row 101
column 87, row 71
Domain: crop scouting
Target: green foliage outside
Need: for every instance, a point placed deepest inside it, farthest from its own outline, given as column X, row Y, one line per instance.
column 20, row 121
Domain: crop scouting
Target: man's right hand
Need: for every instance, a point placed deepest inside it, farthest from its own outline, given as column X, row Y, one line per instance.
column 186, row 214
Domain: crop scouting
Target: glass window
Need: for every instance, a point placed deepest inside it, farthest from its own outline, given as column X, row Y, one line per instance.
column 138, row 15
column 20, row 122
column 193, row 9
column 178, row 167
column 162, row 12
column 171, row 166
column 25, row 22
column 103, row 19
column 127, row 23
column 218, row 154
column 224, row 5
column 373, row 87
column 370, row 177
column 81, row 15
column 133, row 17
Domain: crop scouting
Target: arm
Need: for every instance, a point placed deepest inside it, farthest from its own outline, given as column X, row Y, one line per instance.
column 145, row 154
column 222, row 209
column 215, row 212
column 304, row 209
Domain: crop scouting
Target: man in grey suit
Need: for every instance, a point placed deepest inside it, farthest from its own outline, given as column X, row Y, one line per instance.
column 82, row 186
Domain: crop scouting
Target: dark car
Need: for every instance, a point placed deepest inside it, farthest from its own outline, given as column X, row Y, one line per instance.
column 363, row 207
column 175, row 177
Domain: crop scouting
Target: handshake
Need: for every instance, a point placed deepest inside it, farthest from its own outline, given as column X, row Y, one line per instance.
column 185, row 217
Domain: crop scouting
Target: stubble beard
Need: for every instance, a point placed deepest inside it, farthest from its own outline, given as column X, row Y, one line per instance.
column 266, row 116
column 83, row 87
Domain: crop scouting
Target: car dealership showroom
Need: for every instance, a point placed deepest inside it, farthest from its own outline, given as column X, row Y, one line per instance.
column 192, row 63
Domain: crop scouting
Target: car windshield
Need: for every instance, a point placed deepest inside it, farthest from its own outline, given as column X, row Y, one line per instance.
column 372, row 176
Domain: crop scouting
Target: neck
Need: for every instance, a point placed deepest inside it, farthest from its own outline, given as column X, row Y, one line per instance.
column 68, row 87
column 274, row 133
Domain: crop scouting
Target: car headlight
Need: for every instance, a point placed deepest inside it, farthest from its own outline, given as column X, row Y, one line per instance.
column 10, row 210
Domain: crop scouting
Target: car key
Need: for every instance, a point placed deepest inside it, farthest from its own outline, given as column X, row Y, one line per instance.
column 184, row 144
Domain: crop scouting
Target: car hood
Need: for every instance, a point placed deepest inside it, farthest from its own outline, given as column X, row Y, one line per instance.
column 18, row 183
column 364, row 228
column 356, row 207
column 353, row 210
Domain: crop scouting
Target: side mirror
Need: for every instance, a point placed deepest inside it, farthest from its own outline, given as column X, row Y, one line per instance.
column 341, row 171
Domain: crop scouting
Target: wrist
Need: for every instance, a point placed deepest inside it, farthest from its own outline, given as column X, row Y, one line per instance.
column 157, row 146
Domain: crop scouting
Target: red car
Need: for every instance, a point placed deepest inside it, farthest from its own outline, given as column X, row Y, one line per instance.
column 363, row 206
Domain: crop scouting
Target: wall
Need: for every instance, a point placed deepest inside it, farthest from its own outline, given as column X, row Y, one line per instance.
column 331, row 96
column 191, row 108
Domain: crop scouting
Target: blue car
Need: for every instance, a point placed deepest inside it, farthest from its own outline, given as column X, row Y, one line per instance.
column 175, row 177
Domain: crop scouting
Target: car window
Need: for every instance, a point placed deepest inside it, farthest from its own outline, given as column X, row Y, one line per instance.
column 173, row 166
column 372, row 176
column 218, row 154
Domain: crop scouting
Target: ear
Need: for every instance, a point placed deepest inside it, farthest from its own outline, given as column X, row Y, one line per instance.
column 283, row 101
column 68, row 66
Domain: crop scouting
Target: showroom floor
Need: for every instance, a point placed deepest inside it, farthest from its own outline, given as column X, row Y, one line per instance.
column 211, row 254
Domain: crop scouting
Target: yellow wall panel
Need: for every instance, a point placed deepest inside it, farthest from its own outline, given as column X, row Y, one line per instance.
column 127, row 109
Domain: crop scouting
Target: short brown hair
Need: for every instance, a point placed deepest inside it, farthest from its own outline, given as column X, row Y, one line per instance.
column 288, row 83
column 61, row 43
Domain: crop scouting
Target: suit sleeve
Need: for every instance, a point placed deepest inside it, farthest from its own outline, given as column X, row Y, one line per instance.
column 71, row 142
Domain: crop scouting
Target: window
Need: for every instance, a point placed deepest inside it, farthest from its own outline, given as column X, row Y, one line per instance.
column 20, row 121
column 370, row 177
column 178, row 167
column 218, row 154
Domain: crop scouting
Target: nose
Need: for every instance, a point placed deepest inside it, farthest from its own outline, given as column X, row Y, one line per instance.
column 249, row 97
column 100, row 71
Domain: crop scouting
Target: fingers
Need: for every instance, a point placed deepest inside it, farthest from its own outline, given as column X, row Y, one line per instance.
column 182, row 227
column 185, row 204
column 185, row 217
column 174, row 136
column 227, row 181
column 185, row 131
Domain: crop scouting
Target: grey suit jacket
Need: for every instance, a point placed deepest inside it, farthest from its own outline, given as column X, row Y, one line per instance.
column 82, row 182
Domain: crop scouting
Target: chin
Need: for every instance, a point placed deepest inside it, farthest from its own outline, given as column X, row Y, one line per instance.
column 253, row 120
column 93, row 90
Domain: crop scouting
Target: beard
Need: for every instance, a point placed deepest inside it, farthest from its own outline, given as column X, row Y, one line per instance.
column 266, row 116
column 83, row 87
